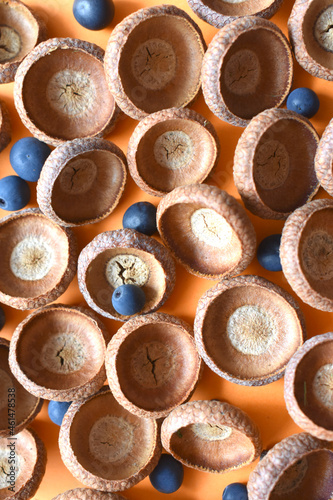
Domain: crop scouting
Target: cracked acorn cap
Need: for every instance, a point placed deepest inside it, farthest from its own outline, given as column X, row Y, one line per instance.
column 324, row 159
column 106, row 447
column 77, row 104
column 153, row 60
column 87, row 494
column 78, row 170
column 274, row 163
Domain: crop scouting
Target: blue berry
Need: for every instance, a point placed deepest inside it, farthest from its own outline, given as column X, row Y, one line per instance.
column 2, row 318
column 28, row 156
column 304, row 101
column 93, row 14
column 57, row 410
column 263, row 454
column 128, row 299
column 142, row 217
column 14, row 193
column 268, row 253
column 235, row 491
column 168, row 474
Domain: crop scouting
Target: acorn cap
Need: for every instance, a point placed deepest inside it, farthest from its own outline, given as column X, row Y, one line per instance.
column 306, row 253
column 26, row 405
column 171, row 148
column 211, row 436
column 5, row 126
column 38, row 259
column 274, row 163
column 106, row 447
column 153, row 60
column 207, row 231
column 87, row 494
column 78, row 170
column 324, row 159
column 66, row 361
column 298, row 467
column 125, row 256
column 77, row 104
column 152, row 364
column 247, row 68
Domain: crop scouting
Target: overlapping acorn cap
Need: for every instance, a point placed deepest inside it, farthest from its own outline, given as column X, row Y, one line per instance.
column 87, row 494
column 324, row 159
column 5, row 126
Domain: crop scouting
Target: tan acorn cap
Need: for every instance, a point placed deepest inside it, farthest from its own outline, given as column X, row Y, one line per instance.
column 125, row 256
column 247, row 68
column 29, row 453
column 38, row 259
column 309, row 32
column 78, row 170
column 306, row 253
column 144, row 81
column 5, row 126
column 324, row 159
column 211, row 436
column 274, row 163
column 171, row 148
column 87, row 494
column 77, row 104
column 87, row 431
column 247, row 328
column 297, row 468
column 66, row 362
column 308, row 386
column 207, row 230
column 14, row 397
column 152, row 364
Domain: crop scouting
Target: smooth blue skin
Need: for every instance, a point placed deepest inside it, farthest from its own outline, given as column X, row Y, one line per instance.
column 168, row 475
column 235, row 491
column 304, row 101
column 93, row 14
column 268, row 253
column 141, row 216
column 57, row 410
column 14, row 193
column 28, row 156
column 2, row 318
column 128, row 299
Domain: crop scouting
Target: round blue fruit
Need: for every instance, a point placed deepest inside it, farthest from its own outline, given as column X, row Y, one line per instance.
column 168, row 475
column 2, row 318
column 28, row 156
column 235, row 491
column 268, row 253
column 93, row 14
column 57, row 410
column 14, row 193
column 128, row 299
column 141, row 216
column 304, row 101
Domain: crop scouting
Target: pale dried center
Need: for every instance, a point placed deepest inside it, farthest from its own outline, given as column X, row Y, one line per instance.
column 211, row 228
column 10, row 43
column 63, row 353
column 125, row 269
column 71, row 92
column 111, row 439
column 251, row 330
column 173, row 149
column 154, row 64
column 323, row 385
column 152, row 364
column 78, row 176
column 32, row 258
column 210, row 432
column 271, row 165
column 317, row 255
column 292, row 477
column 242, row 72
column 5, row 384
column 10, row 463
column 323, row 29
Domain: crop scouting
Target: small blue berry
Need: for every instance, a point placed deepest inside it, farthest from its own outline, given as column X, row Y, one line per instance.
column 235, row 491
column 167, row 477
column 2, row 318
column 268, row 253
column 28, row 156
column 304, row 101
column 57, row 410
column 128, row 299
column 14, row 193
column 142, row 217
column 93, row 14
column 263, row 454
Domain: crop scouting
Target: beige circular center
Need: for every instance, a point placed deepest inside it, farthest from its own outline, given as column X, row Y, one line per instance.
column 152, row 364
column 31, row 259
column 271, row 165
column 242, row 72
column 323, row 385
column 78, row 176
column 154, row 64
column 111, row 439
column 5, row 384
column 125, row 269
column 10, row 466
column 211, row 228
column 173, row 149
column 210, row 432
column 10, row 43
column 71, row 92
column 292, row 478
column 63, row 353
column 317, row 255
column 323, row 29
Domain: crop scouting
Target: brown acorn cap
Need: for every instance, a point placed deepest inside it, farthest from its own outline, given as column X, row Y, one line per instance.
column 87, row 494
column 211, row 436
column 308, row 386
column 13, row 396
column 70, row 74
column 5, row 126
column 153, row 60
column 306, row 253
column 171, row 148
column 66, row 362
column 324, row 159
column 247, row 68
column 78, row 170
column 106, row 447
column 274, row 163
column 207, row 231
column 297, row 468
column 309, row 27
column 38, row 259
column 29, row 453
column 21, row 30
column 247, row 328
column 152, row 364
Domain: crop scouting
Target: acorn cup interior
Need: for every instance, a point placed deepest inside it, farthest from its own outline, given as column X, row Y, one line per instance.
column 238, row 8
column 317, row 32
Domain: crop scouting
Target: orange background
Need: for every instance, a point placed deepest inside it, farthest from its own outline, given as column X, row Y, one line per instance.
column 264, row 404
